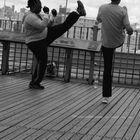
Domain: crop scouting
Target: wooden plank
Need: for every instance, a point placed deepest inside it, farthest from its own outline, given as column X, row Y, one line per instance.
column 25, row 134
column 33, row 104
column 66, row 111
column 117, row 116
column 55, row 136
column 2, row 128
column 137, row 134
column 23, row 90
column 62, row 122
column 10, row 93
column 32, row 119
column 76, row 137
column 46, row 135
column 35, row 135
column 73, row 103
column 9, row 81
column 62, row 42
column 87, row 137
column 90, row 100
column 66, row 136
column 129, row 127
column 133, row 127
column 7, row 131
column 84, row 118
column 23, row 112
column 102, row 111
column 15, row 133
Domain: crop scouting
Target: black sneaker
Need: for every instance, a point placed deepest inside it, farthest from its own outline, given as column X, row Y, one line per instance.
column 35, row 86
column 80, row 9
column 40, row 86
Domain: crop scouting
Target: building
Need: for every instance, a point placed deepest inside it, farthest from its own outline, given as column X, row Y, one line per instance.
column 63, row 10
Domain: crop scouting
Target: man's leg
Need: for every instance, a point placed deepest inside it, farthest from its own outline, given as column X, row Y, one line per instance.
column 34, row 69
column 39, row 50
column 107, row 75
column 42, row 57
column 33, row 49
column 56, row 31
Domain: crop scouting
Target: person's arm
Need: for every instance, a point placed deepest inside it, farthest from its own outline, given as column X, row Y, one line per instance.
column 36, row 22
column 127, row 25
column 129, row 29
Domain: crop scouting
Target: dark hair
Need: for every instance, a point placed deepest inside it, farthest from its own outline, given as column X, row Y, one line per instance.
column 34, row 5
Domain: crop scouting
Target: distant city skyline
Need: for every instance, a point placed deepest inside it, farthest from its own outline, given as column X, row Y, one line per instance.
column 91, row 6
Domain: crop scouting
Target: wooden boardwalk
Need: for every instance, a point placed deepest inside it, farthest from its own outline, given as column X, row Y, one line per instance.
column 66, row 111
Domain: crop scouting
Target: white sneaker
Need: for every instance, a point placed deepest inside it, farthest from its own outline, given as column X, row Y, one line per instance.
column 105, row 100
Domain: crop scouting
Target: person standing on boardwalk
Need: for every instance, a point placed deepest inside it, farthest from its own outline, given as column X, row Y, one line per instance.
column 39, row 34
column 113, row 19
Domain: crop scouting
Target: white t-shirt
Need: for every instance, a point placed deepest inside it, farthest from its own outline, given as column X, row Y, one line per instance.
column 113, row 18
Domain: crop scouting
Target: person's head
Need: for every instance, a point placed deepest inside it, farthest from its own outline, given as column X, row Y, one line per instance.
column 35, row 6
column 115, row 1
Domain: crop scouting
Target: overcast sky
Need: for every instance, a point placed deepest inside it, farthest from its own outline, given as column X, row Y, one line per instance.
column 91, row 6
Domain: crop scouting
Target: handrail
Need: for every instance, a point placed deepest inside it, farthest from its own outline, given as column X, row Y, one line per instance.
column 126, row 68
column 68, row 44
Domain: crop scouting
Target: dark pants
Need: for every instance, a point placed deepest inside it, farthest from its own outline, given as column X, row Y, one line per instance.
column 56, row 31
column 39, row 48
column 107, row 75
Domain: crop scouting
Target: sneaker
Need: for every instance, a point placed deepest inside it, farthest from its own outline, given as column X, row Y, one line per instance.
column 40, row 86
column 80, row 9
column 35, row 86
column 105, row 100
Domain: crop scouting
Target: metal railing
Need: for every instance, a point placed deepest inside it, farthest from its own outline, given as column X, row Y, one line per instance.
column 15, row 57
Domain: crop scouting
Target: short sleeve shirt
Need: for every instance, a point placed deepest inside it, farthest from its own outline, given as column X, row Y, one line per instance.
column 113, row 18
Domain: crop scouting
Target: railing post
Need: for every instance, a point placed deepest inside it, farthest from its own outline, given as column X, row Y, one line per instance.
column 91, row 69
column 5, row 57
column 92, row 55
column 128, row 41
column 95, row 31
column 139, row 42
column 68, row 65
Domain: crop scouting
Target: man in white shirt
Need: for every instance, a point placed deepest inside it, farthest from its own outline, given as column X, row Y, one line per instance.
column 114, row 19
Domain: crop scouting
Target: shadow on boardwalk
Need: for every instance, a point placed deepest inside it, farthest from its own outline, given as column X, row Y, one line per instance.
column 66, row 111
